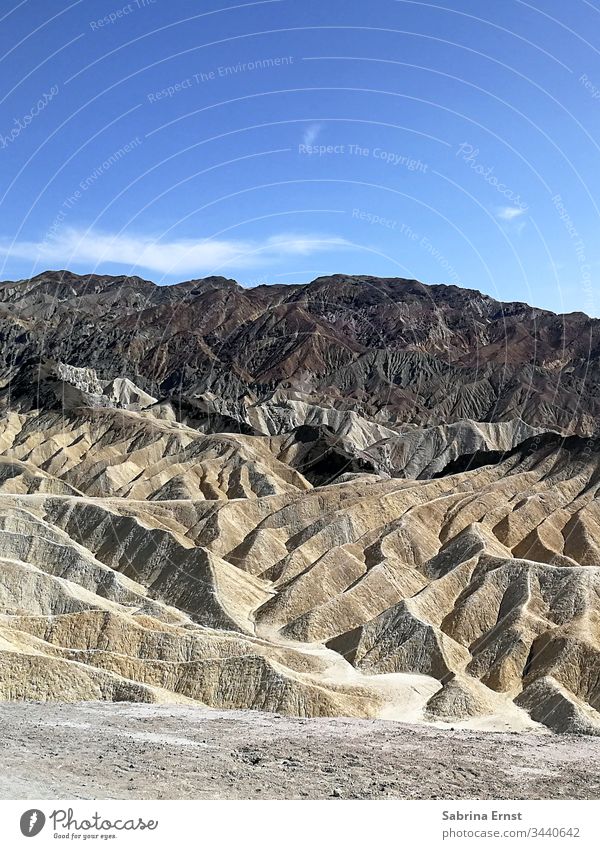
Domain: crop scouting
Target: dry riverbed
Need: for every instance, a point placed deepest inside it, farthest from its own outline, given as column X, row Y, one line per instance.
column 104, row 751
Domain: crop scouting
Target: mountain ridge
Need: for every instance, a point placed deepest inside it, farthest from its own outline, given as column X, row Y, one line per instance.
column 65, row 275
column 392, row 348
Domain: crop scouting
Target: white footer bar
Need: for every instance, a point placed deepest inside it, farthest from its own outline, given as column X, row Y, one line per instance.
column 274, row 825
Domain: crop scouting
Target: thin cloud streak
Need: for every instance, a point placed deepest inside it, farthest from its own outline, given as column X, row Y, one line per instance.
column 74, row 246
column 509, row 213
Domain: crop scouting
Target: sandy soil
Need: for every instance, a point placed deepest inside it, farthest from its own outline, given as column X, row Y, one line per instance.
column 100, row 750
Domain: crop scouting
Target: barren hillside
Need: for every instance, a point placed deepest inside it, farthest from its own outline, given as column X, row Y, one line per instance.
column 359, row 497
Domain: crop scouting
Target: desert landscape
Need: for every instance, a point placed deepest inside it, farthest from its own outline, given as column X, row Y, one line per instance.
column 299, row 419
column 271, row 499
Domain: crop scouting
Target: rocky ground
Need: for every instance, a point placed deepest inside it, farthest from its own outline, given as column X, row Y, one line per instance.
column 99, row 750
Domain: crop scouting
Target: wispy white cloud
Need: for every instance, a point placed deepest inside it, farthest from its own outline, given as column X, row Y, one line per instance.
column 509, row 213
column 311, row 133
column 179, row 256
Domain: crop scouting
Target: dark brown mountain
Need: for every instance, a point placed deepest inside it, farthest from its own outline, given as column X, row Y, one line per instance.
column 393, row 350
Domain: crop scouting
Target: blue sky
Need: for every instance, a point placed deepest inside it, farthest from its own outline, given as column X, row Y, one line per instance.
column 277, row 141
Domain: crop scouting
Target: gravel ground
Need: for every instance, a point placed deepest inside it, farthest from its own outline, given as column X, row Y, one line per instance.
column 115, row 751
